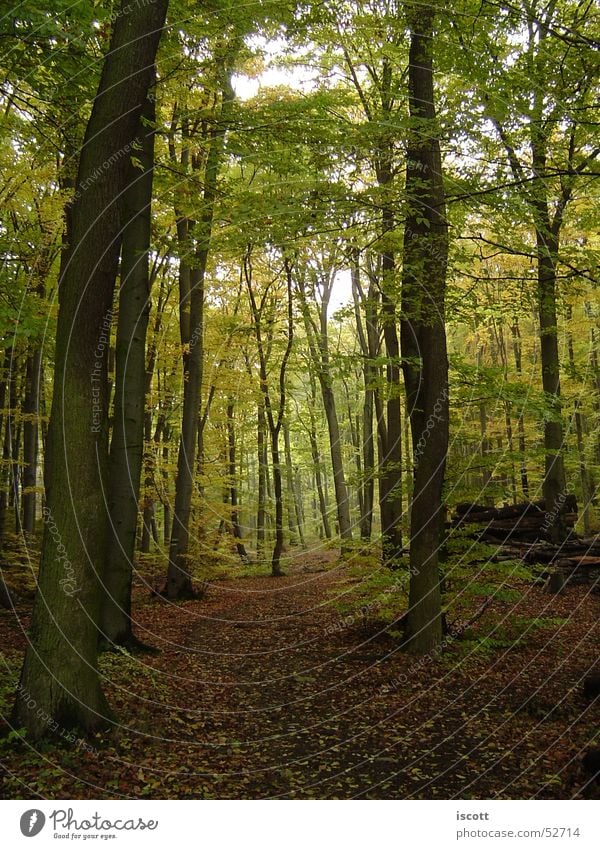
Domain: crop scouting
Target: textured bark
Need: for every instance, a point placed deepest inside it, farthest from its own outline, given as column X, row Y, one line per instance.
column 554, row 485
column 425, row 263
column 127, row 444
column 60, row 687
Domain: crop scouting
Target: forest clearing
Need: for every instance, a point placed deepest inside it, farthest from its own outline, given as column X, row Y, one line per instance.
column 299, row 400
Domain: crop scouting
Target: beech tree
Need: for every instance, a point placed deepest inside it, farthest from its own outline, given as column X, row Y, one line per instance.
column 59, row 681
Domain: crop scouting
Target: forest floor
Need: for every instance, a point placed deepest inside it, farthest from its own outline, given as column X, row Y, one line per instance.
column 263, row 689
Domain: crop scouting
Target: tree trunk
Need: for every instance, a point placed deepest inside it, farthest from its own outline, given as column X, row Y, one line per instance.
column 31, row 403
column 516, row 337
column 296, row 523
column 263, row 471
column 425, row 264
column 233, row 492
column 317, row 334
column 274, row 416
column 179, row 578
column 316, row 460
column 127, row 445
column 555, row 484
column 60, row 687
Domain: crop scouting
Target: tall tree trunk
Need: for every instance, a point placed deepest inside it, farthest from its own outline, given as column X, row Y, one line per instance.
column 390, row 466
column 425, row 265
column 587, row 488
column 59, row 685
column 555, row 484
column 179, row 578
column 317, row 333
column 233, row 491
column 15, row 446
column 6, row 387
column 274, row 415
column 31, row 403
column 127, row 445
column 316, row 460
column 263, row 471
column 296, row 523
column 517, row 352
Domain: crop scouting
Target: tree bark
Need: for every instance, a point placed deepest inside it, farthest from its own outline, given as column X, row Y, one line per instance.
column 127, row 444
column 60, row 686
column 425, row 265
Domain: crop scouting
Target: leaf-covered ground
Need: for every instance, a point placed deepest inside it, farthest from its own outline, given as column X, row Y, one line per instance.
column 266, row 688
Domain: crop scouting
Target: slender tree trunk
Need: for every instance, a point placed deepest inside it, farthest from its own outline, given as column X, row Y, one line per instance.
column 31, row 438
column 293, row 501
column 7, row 389
column 179, row 578
column 316, row 460
column 263, row 472
column 516, row 337
column 14, row 445
column 233, row 491
column 127, row 445
column 274, row 416
column 59, row 686
column 587, row 489
column 317, row 334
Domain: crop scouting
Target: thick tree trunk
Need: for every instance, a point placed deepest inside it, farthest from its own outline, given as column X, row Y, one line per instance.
column 425, row 263
column 127, row 445
column 555, row 485
column 60, row 688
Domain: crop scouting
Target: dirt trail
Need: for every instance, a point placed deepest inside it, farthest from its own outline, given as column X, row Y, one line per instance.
column 262, row 690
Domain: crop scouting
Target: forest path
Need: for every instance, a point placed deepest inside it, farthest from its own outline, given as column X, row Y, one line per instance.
column 288, row 697
column 263, row 689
